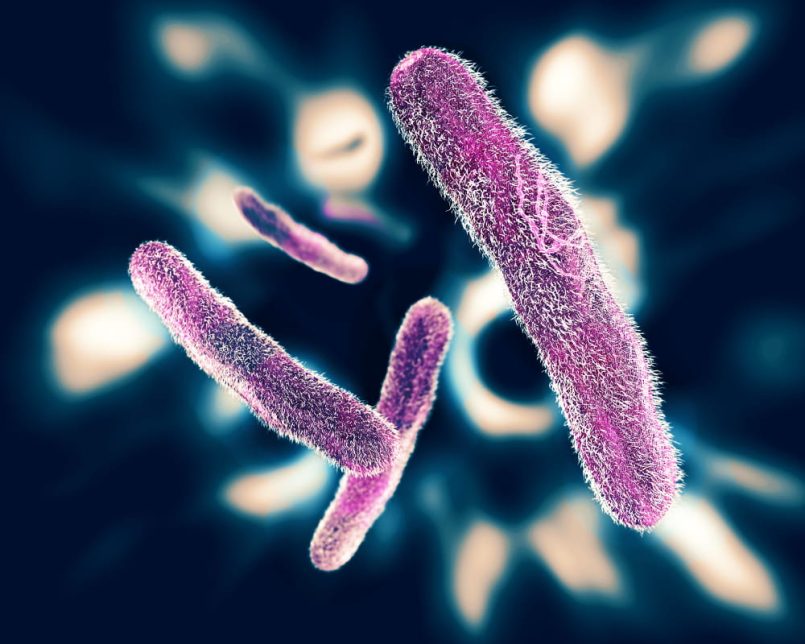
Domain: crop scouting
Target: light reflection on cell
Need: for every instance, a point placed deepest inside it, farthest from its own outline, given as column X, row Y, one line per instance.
column 720, row 43
column 716, row 557
column 338, row 140
column 579, row 91
column 277, row 490
column 100, row 337
column 481, row 302
column 479, row 566
column 750, row 476
column 567, row 539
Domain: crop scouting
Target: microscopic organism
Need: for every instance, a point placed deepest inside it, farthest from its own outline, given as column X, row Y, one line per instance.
column 279, row 229
column 405, row 399
column 294, row 401
column 522, row 213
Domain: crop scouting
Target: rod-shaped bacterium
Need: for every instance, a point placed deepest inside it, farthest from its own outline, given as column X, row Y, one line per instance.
column 522, row 214
column 405, row 399
column 279, row 229
column 287, row 397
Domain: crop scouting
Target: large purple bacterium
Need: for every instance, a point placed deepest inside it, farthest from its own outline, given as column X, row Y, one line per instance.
column 405, row 399
column 287, row 397
column 279, row 229
column 522, row 214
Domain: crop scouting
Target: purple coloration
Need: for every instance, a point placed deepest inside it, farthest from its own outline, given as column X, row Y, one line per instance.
column 279, row 229
column 283, row 394
column 405, row 400
column 521, row 213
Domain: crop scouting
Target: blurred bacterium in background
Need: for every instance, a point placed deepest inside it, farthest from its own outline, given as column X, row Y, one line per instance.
column 210, row 100
column 304, row 245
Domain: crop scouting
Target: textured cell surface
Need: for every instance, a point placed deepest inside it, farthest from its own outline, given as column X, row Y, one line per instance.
column 522, row 214
column 279, row 229
column 405, row 399
column 283, row 394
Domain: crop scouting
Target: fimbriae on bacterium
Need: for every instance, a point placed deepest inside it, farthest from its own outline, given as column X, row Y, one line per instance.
column 406, row 399
column 294, row 401
column 522, row 214
column 279, row 229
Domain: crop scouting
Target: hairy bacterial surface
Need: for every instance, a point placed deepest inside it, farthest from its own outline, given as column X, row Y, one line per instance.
column 522, row 214
column 406, row 400
column 294, row 401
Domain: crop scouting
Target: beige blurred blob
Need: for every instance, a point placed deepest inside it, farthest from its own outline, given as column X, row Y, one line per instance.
column 478, row 569
column 205, row 197
column 617, row 246
column 101, row 337
column 194, row 45
column 483, row 300
column 750, row 476
column 338, row 140
column 716, row 557
column 567, row 539
column 279, row 489
column 219, row 409
column 580, row 92
column 720, row 43
column 211, row 201
column 186, row 47
column 584, row 92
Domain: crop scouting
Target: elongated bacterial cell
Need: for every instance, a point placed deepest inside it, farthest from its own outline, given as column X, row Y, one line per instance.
column 405, row 400
column 522, row 214
column 279, row 229
column 283, row 394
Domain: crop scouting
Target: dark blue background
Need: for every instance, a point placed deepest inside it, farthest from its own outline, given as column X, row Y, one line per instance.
column 108, row 524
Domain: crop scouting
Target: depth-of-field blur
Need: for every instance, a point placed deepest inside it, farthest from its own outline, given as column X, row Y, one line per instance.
column 143, row 495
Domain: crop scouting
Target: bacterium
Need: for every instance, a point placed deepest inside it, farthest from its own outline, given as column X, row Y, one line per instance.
column 287, row 397
column 279, row 229
column 405, row 400
column 522, row 214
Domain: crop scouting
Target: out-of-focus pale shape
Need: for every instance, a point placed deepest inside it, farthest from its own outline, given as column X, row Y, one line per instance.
column 567, row 539
column 101, row 337
column 479, row 566
column 342, row 208
column 196, row 45
column 279, row 489
column 482, row 301
column 760, row 480
column 211, row 202
column 580, row 92
column 186, row 47
column 617, row 246
column 205, row 197
column 219, row 409
column 338, row 140
column 716, row 557
column 720, row 43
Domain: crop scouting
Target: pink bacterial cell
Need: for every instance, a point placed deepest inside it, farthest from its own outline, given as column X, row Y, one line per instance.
column 405, row 400
column 279, row 229
column 294, row 401
column 522, row 214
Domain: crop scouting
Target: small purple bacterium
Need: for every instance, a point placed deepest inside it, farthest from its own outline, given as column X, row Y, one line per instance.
column 522, row 214
column 283, row 394
column 405, row 399
column 279, row 229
